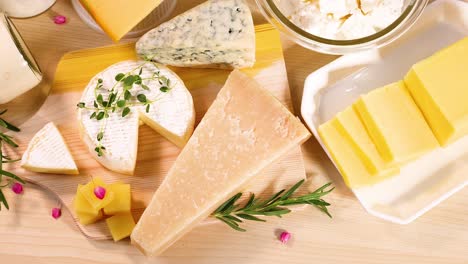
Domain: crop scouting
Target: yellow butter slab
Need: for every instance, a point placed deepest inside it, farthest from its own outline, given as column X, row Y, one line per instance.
column 439, row 85
column 349, row 124
column 120, row 225
column 395, row 124
column 355, row 173
column 122, row 199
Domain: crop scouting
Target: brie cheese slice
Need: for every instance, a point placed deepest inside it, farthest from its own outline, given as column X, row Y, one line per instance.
column 48, row 153
column 171, row 114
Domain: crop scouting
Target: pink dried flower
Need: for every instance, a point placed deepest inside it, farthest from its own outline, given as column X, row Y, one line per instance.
column 284, row 237
column 17, row 188
column 56, row 213
column 100, row 192
column 59, row 20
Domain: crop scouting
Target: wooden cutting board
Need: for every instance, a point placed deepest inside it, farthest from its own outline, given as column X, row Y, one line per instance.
column 155, row 153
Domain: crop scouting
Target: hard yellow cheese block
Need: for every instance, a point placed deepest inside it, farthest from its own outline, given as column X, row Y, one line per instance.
column 83, row 209
column 117, row 18
column 120, row 225
column 439, row 85
column 350, row 125
column 348, row 161
column 244, row 130
column 395, row 124
column 87, row 191
column 122, row 199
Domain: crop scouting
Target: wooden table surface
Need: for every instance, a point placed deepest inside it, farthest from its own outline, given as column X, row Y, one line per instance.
column 28, row 234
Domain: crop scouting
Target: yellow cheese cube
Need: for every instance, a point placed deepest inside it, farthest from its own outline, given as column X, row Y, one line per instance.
column 88, row 193
column 120, row 225
column 86, row 219
column 117, row 18
column 439, row 85
column 355, row 173
column 122, row 199
column 82, row 206
column 395, row 124
column 349, row 123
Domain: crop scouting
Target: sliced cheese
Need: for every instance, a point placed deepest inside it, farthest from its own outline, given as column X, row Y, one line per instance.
column 172, row 115
column 354, row 171
column 117, row 18
column 122, row 199
column 395, row 124
column 48, row 153
column 120, row 225
column 350, row 125
column 244, row 130
column 439, row 85
column 215, row 34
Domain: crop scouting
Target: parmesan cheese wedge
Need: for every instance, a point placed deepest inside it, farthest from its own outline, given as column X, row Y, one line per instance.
column 244, row 130
column 171, row 114
column 48, row 153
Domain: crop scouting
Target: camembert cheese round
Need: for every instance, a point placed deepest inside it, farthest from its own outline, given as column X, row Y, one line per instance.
column 142, row 91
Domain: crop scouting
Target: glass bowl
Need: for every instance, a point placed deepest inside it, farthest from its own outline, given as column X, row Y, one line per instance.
column 412, row 9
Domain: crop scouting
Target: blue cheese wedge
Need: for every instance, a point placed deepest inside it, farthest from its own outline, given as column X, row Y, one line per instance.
column 169, row 111
column 48, row 153
column 215, row 34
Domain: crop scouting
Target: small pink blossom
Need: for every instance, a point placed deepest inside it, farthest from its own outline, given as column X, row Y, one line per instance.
column 17, row 188
column 56, row 213
column 284, row 237
column 59, row 20
column 100, row 192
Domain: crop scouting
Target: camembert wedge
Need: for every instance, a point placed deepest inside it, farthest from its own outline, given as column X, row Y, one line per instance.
column 215, row 34
column 48, row 153
column 167, row 108
column 244, row 130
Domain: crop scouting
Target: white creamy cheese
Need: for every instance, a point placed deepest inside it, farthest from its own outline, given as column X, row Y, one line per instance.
column 215, row 34
column 171, row 114
column 342, row 19
column 48, row 153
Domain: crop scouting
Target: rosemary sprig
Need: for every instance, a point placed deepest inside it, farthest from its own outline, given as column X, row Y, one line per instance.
column 110, row 100
column 233, row 214
column 6, row 140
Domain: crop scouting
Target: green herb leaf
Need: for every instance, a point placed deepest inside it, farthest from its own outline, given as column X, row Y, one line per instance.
column 119, row 77
column 100, row 116
column 93, row 115
column 81, row 105
column 11, row 175
column 121, row 103
column 145, row 87
column 3, row 200
column 100, row 135
column 142, row 98
column 125, row 111
column 127, row 95
column 99, row 80
column 164, row 89
column 148, row 108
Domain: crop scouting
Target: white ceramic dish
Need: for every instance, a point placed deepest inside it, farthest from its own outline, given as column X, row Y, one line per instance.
column 427, row 181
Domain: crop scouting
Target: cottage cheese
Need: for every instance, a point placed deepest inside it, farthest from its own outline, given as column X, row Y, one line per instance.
column 342, row 19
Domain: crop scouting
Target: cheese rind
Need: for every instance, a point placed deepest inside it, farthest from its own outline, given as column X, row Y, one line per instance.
column 354, row 171
column 172, row 114
column 235, row 140
column 439, row 85
column 47, row 152
column 395, row 124
column 215, row 34
column 117, row 18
